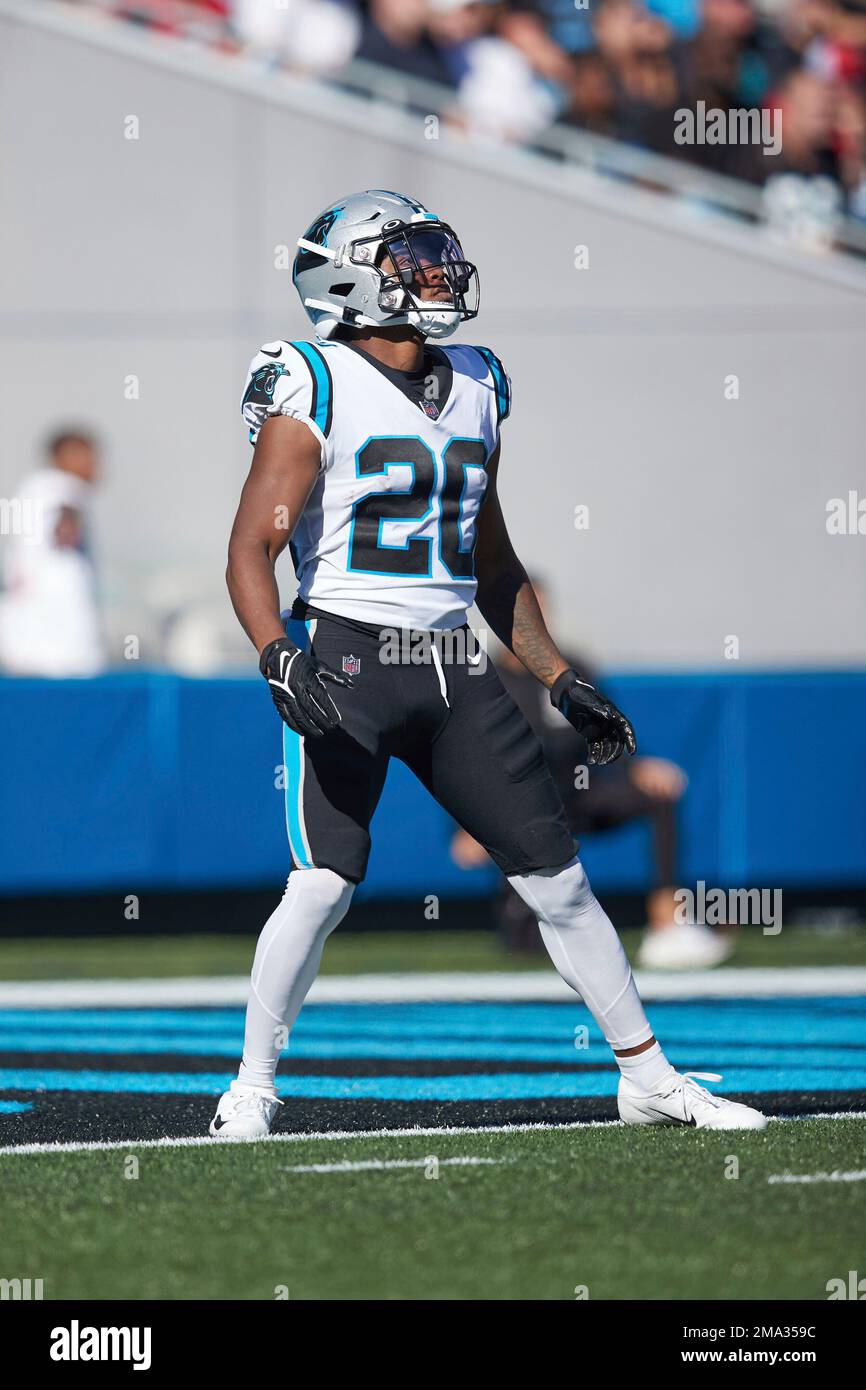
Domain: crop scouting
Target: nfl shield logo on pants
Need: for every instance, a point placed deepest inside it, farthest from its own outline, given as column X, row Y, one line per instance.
column 351, row 665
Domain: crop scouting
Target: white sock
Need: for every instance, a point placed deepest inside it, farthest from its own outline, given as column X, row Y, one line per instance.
column 286, row 963
column 647, row 1069
column 584, row 947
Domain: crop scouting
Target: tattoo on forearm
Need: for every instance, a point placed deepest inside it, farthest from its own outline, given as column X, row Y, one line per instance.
column 509, row 605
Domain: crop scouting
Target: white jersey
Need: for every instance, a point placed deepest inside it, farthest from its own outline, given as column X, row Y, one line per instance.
column 388, row 533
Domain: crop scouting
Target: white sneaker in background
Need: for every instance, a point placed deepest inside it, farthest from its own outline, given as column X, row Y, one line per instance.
column 684, row 947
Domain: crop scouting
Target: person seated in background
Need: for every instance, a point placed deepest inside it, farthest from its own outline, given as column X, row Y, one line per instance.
column 604, row 799
column 49, row 618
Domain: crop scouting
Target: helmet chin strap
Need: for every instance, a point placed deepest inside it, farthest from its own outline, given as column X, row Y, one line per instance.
column 431, row 319
column 431, row 326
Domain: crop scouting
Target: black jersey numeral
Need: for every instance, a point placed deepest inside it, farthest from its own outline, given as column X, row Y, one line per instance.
column 459, row 455
column 368, row 553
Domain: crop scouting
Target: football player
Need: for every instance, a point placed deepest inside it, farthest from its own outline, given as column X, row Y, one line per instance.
column 376, row 458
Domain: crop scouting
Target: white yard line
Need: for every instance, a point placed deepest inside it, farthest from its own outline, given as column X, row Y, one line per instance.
column 199, row 1140
column 528, row 986
column 327, row 1135
column 858, row 1176
column 379, row 1165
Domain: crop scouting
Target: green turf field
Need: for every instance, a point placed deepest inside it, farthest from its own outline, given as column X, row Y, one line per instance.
column 626, row 1213
column 348, row 953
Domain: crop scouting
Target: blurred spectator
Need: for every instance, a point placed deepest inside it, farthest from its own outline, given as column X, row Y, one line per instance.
column 639, row 788
column 317, row 36
column 49, row 620
column 621, row 68
column 808, row 123
column 637, row 49
column 804, row 194
column 500, row 97
column 851, row 148
column 395, row 33
column 504, row 91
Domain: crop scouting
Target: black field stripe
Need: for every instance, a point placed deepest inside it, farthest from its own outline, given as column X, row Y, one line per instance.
column 288, row 1066
column 63, row 1116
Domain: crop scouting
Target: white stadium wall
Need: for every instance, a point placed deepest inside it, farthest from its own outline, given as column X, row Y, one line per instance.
column 154, row 258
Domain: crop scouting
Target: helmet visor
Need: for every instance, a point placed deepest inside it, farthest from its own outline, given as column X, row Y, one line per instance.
column 427, row 260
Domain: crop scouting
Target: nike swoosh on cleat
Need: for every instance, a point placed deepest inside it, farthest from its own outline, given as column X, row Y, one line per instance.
column 665, row 1117
column 218, row 1122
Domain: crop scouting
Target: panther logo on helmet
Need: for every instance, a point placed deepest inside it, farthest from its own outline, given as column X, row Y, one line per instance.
column 318, row 233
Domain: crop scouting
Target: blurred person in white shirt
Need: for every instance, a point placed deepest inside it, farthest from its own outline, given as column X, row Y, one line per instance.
column 314, row 36
column 49, row 617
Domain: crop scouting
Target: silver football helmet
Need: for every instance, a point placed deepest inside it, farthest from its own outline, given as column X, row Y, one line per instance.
column 366, row 258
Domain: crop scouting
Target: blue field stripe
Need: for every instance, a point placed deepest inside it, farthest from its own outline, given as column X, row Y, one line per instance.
column 15, row 1107
column 713, row 1053
column 760, row 1045
column 823, row 1014
column 319, row 1045
column 302, row 1044
column 764, row 1024
column 472, row 1087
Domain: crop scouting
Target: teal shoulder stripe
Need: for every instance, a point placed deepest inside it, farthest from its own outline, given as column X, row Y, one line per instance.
column 500, row 382
column 322, row 408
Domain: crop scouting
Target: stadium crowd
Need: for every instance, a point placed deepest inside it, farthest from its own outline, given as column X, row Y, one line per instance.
column 620, row 68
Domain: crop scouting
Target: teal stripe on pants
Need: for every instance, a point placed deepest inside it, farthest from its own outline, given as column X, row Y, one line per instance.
column 293, row 756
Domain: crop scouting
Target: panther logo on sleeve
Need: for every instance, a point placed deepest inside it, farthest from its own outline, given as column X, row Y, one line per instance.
column 259, row 395
column 263, row 384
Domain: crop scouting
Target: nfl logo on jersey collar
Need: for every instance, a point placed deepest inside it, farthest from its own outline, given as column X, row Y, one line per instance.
column 430, row 408
column 351, row 665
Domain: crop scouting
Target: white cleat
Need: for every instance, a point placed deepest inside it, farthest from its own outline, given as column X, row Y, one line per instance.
column 684, row 947
column 244, row 1112
column 681, row 1101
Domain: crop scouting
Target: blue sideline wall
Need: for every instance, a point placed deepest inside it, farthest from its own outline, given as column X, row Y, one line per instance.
column 151, row 780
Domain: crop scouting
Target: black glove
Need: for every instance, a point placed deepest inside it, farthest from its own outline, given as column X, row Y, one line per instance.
column 297, row 684
column 606, row 730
